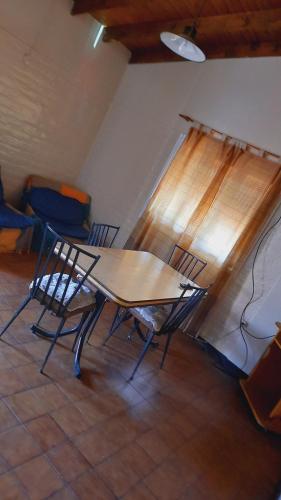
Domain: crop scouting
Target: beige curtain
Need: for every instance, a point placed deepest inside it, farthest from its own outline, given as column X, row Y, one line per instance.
column 213, row 200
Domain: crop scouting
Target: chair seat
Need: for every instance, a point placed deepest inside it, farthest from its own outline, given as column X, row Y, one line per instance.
column 152, row 316
column 83, row 300
column 66, row 229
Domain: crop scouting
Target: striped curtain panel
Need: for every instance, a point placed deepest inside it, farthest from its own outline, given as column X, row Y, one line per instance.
column 213, row 201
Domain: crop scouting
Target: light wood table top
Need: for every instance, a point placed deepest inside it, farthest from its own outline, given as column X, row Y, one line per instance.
column 132, row 278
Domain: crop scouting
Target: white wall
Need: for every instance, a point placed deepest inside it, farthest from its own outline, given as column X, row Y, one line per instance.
column 240, row 97
column 54, row 89
column 222, row 326
column 136, row 136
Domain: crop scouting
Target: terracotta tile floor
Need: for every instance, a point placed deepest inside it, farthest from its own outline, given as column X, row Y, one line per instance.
column 184, row 432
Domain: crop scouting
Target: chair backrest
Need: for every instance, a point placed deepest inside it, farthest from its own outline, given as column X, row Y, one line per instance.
column 102, row 235
column 183, row 307
column 186, row 263
column 57, row 260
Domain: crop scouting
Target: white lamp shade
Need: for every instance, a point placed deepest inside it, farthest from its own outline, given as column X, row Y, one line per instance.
column 182, row 47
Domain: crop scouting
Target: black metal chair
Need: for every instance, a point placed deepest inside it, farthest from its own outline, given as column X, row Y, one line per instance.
column 160, row 320
column 102, row 235
column 56, row 287
column 186, row 262
column 182, row 261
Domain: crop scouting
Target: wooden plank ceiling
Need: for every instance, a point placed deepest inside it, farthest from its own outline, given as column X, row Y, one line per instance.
column 225, row 28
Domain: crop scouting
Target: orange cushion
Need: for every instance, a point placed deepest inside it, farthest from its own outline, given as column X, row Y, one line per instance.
column 74, row 193
column 28, row 183
column 8, row 240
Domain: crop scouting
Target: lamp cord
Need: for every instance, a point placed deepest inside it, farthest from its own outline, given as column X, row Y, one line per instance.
column 198, row 15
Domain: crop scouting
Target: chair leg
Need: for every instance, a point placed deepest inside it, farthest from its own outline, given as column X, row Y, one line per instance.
column 18, row 311
column 140, row 333
column 54, row 340
column 139, row 330
column 148, row 341
column 41, row 316
column 169, row 337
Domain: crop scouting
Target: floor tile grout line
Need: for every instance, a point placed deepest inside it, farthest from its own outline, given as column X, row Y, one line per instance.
column 120, row 366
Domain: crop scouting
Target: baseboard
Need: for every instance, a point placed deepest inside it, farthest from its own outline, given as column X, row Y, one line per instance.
column 221, row 361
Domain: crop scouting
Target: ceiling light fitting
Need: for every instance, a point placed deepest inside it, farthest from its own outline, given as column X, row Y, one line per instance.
column 184, row 44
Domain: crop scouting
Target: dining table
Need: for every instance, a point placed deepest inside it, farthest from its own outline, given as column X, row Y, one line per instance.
column 128, row 278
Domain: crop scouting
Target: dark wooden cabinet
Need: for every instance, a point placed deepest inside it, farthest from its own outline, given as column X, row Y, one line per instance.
column 263, row 387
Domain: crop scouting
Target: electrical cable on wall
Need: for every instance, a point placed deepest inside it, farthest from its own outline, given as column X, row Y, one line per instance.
column 251, row 300
column 242, row 323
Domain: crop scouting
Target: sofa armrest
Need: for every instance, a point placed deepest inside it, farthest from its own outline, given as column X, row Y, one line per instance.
column 14, row 209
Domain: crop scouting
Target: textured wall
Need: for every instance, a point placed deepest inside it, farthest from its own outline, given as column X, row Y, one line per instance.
column 54, row 89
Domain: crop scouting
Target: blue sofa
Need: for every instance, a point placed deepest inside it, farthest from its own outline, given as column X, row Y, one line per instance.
column 64, row 207
column 15, row 228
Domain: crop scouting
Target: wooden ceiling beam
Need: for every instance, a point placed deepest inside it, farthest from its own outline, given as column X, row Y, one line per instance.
column 83, row 6
column 162, row 54
column 262, row 20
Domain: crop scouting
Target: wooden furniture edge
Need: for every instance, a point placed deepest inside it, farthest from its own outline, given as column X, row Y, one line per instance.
column 256, row 415
column 273, row 421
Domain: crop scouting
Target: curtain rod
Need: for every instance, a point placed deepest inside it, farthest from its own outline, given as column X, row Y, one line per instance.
column 247, row 144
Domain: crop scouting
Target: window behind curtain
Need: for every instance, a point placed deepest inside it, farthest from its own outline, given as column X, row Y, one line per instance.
column 212, row 196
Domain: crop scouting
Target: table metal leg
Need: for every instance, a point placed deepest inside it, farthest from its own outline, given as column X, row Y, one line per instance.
column 120, row 316
column 90, row 323
column 82, row 321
